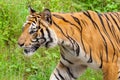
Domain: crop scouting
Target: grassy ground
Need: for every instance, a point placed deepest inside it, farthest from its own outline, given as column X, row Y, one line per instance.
column 13, row 64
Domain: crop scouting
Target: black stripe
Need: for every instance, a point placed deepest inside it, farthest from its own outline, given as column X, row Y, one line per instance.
column 62, row 78
column 32, row 21
column 82, row 42
column 75, row 44
column 119, row 76
column 116, row 15
column 113, row 49
column 109, row 24
column 83, row 22
column 101, row 58
column 70, row 73
column 62, row 32
column 67, row 36
column 70, row 41
column 117, row 25
column 56, row 77
column 105, row 44
column 81, row 36
column 31, row 31
column 36, row 18
column 61, row 63
column 38, row 27
column 42, row 32
column 59, row 28
column 76, row 19
column 80, row 25
column 96, row 26
column 88, row 15
column 101, row 20
column 66, row 59
column 109, row 37
column 112, row 31
column 65, row 48
column 105, row 31
column 43, row 24
column 49, row 35
column 90, row 59
column 112, row 27
column 115, row 21
column 60, row 17
column 78, row 50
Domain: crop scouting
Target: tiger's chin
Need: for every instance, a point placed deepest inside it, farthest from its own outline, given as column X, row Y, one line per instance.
column 30, row 51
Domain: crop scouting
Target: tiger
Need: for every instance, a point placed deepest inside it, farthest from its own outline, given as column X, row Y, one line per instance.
column 85, row 39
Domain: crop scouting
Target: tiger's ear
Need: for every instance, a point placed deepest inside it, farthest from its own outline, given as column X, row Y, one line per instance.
column 31, row 11
column 47, row 16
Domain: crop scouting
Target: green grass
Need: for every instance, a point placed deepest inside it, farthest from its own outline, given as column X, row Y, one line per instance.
column 13, row 64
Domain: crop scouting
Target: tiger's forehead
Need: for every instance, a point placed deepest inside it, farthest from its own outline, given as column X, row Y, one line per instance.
column 29, row 20
column 33, row 17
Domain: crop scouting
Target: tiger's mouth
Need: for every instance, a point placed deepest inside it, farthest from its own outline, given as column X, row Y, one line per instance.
column 30, row 50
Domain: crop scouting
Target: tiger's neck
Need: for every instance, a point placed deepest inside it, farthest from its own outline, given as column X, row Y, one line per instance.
column 66, row 33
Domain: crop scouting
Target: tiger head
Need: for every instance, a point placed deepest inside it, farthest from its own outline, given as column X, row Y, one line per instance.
column 37, row 32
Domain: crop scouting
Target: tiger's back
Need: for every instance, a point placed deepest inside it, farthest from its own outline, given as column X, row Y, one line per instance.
column 97, row 33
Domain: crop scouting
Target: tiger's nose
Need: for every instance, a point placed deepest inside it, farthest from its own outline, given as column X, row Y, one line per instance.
column 20, row 44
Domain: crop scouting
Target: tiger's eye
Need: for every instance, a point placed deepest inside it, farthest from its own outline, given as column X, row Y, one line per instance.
column 34, row 35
